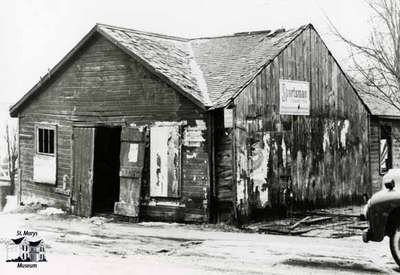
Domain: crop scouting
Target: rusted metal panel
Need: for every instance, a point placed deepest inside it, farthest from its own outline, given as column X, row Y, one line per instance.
column 83, row 171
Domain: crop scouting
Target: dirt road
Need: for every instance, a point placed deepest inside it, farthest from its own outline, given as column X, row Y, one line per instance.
column 100, row 246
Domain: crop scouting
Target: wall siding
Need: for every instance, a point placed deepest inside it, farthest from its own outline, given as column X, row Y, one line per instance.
column 375, row 124
column 225, row 191
column 102, row 84
column 321, row 158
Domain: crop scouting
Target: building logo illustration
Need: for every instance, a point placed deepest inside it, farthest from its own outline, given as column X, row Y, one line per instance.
column 27, row 247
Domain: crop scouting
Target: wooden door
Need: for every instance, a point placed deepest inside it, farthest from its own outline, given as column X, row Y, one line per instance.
column 83, row 151
column 131, row 170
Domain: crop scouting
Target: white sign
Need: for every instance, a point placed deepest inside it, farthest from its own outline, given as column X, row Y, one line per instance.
column 228, row 118
column 294, row 97
column 133, row 152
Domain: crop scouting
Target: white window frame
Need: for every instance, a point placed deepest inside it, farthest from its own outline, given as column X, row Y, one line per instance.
column 52, row 127
column 45, row 164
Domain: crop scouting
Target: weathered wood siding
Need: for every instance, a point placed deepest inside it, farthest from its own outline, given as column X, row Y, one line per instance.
column 322, row 158
column 374, row 147
column 102, row 84
column 375, row 134
column 225, row 191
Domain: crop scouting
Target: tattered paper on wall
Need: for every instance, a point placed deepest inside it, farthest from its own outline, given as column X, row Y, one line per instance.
column 193, row 135
column 165, row 161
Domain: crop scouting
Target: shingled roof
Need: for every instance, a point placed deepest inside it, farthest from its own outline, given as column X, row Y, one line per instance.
column 378, row 106
column 209, row 71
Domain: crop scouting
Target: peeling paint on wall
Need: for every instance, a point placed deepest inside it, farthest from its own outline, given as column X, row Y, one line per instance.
column 240, row 191
column 193, row 135
column 191, row 156
column 155, row 202
column 164, row 161
column 325, row 141
column 141, row 128
column 259, row 160
column 343, row 133
column 284, row 153
column 170, row 123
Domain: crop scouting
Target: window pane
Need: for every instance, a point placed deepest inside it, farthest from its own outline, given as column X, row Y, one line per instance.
column 46, row 141
column 40, row 142
column 51, row 142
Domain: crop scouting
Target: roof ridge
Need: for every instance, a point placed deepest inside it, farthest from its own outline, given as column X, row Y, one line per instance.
column 158, row 35
column 267, row 61
column 268, row 33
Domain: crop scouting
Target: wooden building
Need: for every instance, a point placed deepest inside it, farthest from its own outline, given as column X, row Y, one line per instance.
column 384, row 137
column 166, row 128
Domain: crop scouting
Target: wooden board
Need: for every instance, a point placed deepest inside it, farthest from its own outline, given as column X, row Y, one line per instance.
column 83, row 150
column 131, row 170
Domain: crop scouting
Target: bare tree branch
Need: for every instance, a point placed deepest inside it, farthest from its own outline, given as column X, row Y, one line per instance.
column 376, row 66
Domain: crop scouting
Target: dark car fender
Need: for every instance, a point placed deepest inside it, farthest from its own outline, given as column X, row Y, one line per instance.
column 383, row 214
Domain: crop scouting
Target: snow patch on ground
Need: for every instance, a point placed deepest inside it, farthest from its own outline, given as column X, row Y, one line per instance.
column 11, row 204
column 99, row 220
column 51, row 211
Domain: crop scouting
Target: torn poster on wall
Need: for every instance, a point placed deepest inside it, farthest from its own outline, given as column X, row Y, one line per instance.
column 193, row 135
column 259, row 162
column 165, row 161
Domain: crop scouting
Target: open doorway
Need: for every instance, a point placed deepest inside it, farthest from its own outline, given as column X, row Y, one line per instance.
column 106, row 165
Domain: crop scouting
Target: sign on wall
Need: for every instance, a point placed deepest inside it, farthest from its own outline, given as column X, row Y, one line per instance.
column 294, row 97
column 228, row 118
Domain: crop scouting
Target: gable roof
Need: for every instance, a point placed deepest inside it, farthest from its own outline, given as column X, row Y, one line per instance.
column 208, row 71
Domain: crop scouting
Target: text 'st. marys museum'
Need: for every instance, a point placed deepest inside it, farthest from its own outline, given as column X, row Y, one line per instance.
column 167, row 128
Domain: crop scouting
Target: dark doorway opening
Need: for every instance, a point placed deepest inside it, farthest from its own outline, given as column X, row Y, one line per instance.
column 106, row 169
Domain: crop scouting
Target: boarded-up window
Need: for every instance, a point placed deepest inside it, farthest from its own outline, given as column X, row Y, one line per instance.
column 165, row 161
column 44, row 160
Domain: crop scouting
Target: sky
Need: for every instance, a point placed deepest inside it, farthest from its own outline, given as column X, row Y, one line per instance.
column 36, row 34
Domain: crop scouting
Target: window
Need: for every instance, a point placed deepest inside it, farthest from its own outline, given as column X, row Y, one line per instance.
column 385, row 149
column 44, row 160
column 45, row 140
column 165, row 161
